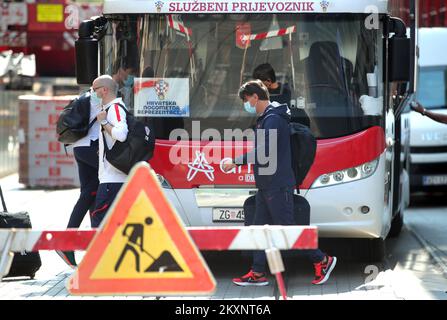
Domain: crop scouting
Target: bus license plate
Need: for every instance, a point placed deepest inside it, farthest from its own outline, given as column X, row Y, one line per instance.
column 228, row 215
column 434, row 180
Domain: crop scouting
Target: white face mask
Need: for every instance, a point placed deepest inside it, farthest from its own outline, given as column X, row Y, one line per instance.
column 95, row 99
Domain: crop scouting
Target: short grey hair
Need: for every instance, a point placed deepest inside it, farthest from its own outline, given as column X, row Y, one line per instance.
column 107, row 81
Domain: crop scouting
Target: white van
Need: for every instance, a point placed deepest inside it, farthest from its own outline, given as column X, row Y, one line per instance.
column 428, row 138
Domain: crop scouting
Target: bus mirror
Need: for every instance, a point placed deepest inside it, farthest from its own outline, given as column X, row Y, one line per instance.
column 399, row 59
column 86, row 28
column 86, row 60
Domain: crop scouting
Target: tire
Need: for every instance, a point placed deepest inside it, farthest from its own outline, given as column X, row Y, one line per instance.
column 396, row 225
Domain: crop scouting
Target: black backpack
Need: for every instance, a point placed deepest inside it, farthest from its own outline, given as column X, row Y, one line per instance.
column 303, row 148
column 138, row 146
column 73, row 123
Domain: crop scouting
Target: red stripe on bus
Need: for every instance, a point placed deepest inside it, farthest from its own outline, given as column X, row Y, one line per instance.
column 332, row 155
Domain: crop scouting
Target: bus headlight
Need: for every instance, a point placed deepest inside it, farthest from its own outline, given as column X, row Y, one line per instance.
column 347, row 175
column 367, row 168
column 352, row 173
column 164, row 183
column 338, row 176
column 325, row 178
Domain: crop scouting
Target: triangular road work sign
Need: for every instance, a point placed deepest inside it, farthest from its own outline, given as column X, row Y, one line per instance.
column 142, row 247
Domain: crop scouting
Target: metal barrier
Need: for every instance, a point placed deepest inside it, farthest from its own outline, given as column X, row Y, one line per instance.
column 268, row 238
column 205, row 238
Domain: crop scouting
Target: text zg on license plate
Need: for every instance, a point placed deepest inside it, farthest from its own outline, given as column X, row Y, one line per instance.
column 228, row 215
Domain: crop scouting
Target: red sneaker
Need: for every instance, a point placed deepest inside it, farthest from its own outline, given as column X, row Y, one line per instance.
column 250, row 279
column 323, row 270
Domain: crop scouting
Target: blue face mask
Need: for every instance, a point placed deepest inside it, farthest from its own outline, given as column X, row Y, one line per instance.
column 248, row 107
column 95, row 99
column 129, row 81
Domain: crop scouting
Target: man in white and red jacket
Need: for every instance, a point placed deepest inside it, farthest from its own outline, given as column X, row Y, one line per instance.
column 113, row 128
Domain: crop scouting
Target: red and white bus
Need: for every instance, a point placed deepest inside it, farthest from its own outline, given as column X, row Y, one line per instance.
column 349, row 69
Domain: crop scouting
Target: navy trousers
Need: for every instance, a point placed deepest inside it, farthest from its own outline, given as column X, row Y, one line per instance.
column 87, row 161
column 275, row 207
column 105, row 196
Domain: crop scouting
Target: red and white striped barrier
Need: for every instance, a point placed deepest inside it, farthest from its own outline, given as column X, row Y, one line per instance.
column 177, row 25
column 206, row 238
column 268, row 238
column 270, row 34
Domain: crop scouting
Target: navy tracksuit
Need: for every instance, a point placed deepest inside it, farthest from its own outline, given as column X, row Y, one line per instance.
column 274, row 199
column 107, row 193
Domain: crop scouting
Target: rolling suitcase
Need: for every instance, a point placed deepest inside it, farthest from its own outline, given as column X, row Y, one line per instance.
column 24, row 263
column 301, row 210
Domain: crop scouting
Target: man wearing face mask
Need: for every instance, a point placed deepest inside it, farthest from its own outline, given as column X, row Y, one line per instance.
column 275, row 190
column 126, row 92
column 85, row 152
column 114, row 128
column 121, row 74
column 274, row 199
column 124, row 77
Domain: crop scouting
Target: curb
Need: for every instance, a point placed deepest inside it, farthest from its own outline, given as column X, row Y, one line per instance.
column 439, row 261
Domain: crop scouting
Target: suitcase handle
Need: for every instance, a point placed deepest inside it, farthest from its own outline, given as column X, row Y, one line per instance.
column 3, row 200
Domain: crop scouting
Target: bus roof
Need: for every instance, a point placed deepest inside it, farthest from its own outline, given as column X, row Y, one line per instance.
column 432, row 47
column 244, row 6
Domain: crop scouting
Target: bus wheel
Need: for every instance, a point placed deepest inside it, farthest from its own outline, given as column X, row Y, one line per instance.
column 396, row 225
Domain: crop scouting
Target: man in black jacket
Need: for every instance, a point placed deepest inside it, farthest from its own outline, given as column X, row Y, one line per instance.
column 274, row 179
column 278, row 91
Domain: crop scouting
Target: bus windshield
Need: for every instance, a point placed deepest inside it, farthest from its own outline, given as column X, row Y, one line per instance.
column 329, row 67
